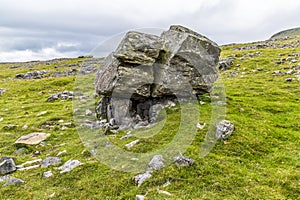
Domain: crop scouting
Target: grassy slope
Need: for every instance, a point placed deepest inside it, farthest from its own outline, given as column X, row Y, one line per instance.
column 287, row 33
column 259, row 161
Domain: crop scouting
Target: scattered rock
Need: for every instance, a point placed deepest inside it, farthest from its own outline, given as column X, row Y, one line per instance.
column 166, row 184
column 47, row 174
column 29, row 165
column 294, row 61
column 88, row 112
column 66, row 95
column 141, row 178
column 4, row 178
column 42, row 113
column 28, row 168
column 32, row 75
column 61, row 153
column 50, row 161
column 225, row 64
column 32, row 138
column 139, row 197
column 156, row 163
column 183, row 161
column 20, row 151
column 24, row 127
column 224, row 129
column 131, row 144
column 290, row 72
column 164, row 192
column 42, row 144
column 95, row 124
column 51, row 195
column 69, row 165
column 201, row 126
column 2, row 90
column 10, row 127
column 277, row 72
column 13, row 181
column 7, row 165
column 71, row 72
column 126, row 136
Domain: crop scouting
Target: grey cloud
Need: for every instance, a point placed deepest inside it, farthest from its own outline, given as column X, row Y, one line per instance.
column 78, row 26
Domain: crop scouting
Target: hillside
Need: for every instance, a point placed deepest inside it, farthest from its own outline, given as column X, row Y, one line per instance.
column 295, row 32
column 260, row 160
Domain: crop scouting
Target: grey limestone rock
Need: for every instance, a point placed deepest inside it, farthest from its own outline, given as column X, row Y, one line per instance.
column 147, row 70
column 7, row 165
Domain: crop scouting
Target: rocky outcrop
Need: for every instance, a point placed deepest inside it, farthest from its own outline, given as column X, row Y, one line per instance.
column 147, row 73
column 32, row 75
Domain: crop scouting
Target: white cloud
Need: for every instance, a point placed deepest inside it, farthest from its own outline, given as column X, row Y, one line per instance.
column 27, row 55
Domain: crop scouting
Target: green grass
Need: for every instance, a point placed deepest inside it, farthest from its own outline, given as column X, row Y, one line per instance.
column 261, row 160
column 287, row 33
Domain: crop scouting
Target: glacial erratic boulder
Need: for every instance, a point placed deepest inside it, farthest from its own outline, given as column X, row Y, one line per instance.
column 147, row 70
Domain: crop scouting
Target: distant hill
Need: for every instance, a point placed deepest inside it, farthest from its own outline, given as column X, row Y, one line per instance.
column 287, row 33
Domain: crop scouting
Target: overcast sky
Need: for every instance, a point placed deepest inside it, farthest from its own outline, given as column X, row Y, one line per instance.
column 46, row 29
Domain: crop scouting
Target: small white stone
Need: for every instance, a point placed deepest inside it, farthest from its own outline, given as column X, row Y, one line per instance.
column 140, row 197
column 41, row 113
column 24, row 127
column 47, row 174
column 131, row 144
column 61, row 153
column 164, row 192
column 201, row 126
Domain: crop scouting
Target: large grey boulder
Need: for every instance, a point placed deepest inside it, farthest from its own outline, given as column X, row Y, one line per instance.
column 147, row 70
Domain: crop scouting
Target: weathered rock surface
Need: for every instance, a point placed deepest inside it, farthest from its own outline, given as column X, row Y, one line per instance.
column 32, row 75
column 33, row 164
column 147, row 70
column 141, row 178
column 47, row 174
column 156, row 163
column 66, row 95
column 32, row 138
column 4, row 178
column 224, row 129
column 10, row 127
column 183, row 161
column 13, row 181
column 50, row 161
column 69, row 165
column 7, row 165
column 2, row 90
column 225, row 64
